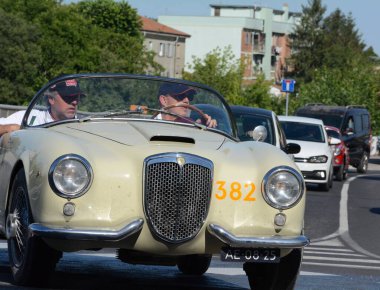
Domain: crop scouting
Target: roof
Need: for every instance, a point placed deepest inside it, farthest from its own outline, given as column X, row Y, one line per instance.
column 153, row 26
column 321, row 109
column 300, row 119
column 251, row 110
column 254, row 7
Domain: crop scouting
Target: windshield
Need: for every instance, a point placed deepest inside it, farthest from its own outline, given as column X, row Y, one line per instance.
column 125, row 97
column 303, row 131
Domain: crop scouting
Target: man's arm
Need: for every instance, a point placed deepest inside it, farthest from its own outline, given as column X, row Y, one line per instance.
column 8, row 128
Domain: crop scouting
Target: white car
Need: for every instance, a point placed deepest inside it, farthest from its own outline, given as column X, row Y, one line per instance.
column 315, row 160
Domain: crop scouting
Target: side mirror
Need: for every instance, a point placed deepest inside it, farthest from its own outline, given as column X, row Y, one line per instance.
column 292, row 148
column 334, row 141
column 260, row 133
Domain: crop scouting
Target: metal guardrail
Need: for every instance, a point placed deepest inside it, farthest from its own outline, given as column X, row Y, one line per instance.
column 6, row 110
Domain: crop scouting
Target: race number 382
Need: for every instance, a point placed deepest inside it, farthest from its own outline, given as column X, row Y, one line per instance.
column 250, row 255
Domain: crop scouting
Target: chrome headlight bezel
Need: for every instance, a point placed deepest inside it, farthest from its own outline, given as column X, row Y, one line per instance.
column 275, row 172
column 54, row 183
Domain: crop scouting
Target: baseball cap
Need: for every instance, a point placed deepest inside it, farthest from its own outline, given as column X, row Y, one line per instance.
column 67, row 88
column 177, row 91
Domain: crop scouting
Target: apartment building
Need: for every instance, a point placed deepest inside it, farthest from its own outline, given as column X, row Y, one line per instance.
column 167, row 43
column 258, row 35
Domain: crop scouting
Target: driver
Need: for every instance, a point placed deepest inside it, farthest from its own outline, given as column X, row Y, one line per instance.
column 179, row 96
column 62, row 102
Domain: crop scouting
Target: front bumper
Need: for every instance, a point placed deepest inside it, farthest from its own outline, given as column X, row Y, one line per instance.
column 87, row 234
column 258, row 242
column 137, row 224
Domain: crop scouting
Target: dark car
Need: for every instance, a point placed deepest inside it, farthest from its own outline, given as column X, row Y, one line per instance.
column 341, row 159
column 354, row 125
column 248, row 118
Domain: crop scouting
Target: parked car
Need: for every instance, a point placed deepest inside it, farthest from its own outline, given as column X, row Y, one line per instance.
column 354, row 123
column 163, row 192
column 315, row 159
column 248, row 118
column 341, row 160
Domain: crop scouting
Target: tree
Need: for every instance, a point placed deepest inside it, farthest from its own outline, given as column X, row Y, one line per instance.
column 119, row 17
column 257, row 94
column 20, row 58
column 343, row 46
column 358, row 86
column 307, row 41
column 220, row 70
column 41, row 39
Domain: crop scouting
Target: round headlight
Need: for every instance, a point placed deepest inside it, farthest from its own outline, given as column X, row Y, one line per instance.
column 282, row 187
column 70, row 176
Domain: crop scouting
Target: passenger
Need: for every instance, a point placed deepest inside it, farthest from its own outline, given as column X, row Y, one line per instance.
column 62, row 100
column 172, row 94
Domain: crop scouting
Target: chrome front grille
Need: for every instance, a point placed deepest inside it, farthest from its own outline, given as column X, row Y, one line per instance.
column 177, row 192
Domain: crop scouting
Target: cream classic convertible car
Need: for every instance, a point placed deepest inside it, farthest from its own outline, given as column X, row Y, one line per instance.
column 118, row 161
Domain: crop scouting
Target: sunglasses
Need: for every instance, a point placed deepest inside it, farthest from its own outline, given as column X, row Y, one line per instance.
column 71, row 98
column 182, row 97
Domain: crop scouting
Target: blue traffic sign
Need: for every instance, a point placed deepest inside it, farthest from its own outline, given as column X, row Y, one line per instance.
column 288, row 85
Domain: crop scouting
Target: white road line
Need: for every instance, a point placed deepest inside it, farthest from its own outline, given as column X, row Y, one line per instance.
column 351, row 266
column 336, row 254
column 307, row 257
column 328, row 249
column 240, row 271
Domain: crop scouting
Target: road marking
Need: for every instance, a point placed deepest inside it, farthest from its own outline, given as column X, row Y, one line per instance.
column 334, row 253
column 331, row 249
column 341, row 260
column 351, row 266
column 239, row 271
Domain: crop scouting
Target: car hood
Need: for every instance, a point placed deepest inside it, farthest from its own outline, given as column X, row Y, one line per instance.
column 135, row 133
column 311, row 149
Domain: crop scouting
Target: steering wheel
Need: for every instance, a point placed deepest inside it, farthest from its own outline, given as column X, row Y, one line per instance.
column 204, row 118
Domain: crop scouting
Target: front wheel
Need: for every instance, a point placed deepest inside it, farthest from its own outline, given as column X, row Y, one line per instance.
column 194, row 264
column 30, row 259
column 363, row 165
column 280, row 276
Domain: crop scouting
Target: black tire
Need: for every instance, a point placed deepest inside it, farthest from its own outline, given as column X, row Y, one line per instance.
column 281, row 276
column 363, row 164
column 194, row 264
column 340, row 173
column 324, row 186
column 30, row 259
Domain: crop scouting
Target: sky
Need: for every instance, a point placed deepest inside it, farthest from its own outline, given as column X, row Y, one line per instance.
column 365, row 12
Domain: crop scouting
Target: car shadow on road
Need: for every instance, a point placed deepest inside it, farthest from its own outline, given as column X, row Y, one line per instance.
column 375, row 210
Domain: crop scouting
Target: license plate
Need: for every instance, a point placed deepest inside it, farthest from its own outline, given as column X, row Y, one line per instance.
column 228, row 254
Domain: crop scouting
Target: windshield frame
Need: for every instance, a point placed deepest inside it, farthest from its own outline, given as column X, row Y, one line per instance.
column 54, row 81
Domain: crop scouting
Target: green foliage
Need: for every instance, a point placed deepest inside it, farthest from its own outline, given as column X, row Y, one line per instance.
column 40, row 39
column 359, row 86
column 20, row 58
column 307, row 40
column 220, row 70
column 256, row 94
column 108, row 14
column 332, row 64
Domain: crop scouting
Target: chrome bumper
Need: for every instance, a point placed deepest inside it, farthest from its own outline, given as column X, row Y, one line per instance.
column 87, row 234
column 257, row 242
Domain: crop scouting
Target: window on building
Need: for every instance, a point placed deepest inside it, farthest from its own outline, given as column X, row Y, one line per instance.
column 150, row 45
column 247, row 41
column 162, row 49
column 217, row 12
column 169, row 50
